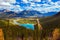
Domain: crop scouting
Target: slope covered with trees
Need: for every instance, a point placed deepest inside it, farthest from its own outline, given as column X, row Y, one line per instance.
column 50, row 25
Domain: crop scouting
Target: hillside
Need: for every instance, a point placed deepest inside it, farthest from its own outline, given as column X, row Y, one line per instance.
column 13, row 31
column 10, row 30
column 51, row 18
column 50, row 23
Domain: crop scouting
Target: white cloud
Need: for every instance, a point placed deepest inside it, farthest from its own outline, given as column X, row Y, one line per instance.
column 43, row 8
column 48, row 9
column 8, row 4
column 37, row 0
column 25, row 1
column 57, row 3
column 30, row 0
column 1, row 0
column 17, row 8
column 49, row 0
column 10, row 1
column 4, row 4
column 32, row 4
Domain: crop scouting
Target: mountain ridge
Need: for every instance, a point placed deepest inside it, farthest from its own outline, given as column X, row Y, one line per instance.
column 23, row 14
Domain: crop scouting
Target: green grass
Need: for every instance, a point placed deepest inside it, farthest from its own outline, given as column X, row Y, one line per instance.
column 27, row 21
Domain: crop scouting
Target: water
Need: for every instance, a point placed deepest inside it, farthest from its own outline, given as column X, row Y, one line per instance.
column 28, row 26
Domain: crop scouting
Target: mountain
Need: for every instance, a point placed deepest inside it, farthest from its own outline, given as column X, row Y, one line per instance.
column 22, row 14
column 7, row 14
column 30, row 13
column 58, row 14
column 51, row 22
column 50, row 13
column 51, row 18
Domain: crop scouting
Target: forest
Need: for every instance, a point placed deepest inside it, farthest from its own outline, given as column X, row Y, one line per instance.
column 50, row 29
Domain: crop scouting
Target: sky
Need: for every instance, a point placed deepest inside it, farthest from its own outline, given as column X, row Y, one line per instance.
column 43, row 6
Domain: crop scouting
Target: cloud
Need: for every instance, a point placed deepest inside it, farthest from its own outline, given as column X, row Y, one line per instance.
column 10, row 1
column 4, row 4
column 8, row 4
column 37, row 0
column 25, row 1
column 31, row 5
column 48, row 8
column 16, row 8
column 49, row 0
column 28, row 1
column 45, row 7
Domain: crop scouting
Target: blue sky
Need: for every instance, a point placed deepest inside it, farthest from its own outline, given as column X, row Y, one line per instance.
column 43, row 6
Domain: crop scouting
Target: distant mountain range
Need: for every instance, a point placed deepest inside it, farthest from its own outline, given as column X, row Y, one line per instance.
column 23, row 14
column 58, row 14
